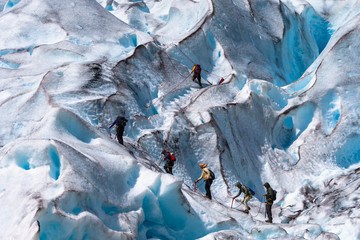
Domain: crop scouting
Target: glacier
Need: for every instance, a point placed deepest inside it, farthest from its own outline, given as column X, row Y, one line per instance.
column 286, row 113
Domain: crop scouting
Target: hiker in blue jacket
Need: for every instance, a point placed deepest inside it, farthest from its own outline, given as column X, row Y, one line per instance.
column 120, row 127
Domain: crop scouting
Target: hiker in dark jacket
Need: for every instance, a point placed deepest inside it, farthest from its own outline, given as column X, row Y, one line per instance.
column 197, row 73
column 207, row 177
column 170, row 160
column 247, row 195
column 120, row 127
column 269, row 201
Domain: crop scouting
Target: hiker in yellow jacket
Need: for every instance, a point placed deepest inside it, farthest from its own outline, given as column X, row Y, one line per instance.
column 207, row 177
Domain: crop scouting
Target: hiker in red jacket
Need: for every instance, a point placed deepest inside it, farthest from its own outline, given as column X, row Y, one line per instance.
column 170, row 161
column 197, row 73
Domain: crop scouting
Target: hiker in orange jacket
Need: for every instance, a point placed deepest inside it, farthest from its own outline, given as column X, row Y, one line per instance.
column 197, row 73
column 207, row 177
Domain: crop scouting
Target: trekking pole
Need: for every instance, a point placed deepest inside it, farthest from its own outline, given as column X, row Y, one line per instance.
column 265, row 207
column 161, row 160
column 208, row 82
column 232, row 202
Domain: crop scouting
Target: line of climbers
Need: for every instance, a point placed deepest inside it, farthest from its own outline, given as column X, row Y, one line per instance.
column 270, row 197
column 209, row 177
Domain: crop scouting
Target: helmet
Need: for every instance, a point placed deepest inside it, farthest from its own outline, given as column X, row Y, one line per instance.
column 202, row 165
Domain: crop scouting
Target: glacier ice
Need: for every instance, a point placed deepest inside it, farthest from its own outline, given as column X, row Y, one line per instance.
column 286, row 114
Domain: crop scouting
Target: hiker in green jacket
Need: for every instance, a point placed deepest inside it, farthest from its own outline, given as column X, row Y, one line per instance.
column 247, row 195
column 269, row 201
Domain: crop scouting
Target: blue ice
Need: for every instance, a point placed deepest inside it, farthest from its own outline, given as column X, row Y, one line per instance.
column 129, row 40
column 331, row 111
column 69, row 122
column 11, row 3
column 8, row 65
column 54, row 162
column 80, row 42
column 349, row 153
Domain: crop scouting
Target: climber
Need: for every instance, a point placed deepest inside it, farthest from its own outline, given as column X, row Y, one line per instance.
column 197, row 73
column 170, row 161
column 120, row 127
column 247, row 195
column 207, row 175
column 269, row 201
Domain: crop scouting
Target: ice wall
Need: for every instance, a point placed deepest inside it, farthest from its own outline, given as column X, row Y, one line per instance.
column 285, row 114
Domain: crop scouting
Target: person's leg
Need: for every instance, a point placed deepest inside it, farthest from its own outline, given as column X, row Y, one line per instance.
column 119, row 135
column 268, row 212
column 166, row 169
column 171, row 165
column 199, row 78
column 246, row 199
column 207, row 188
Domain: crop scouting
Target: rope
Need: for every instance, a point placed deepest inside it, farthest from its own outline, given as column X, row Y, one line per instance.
column 173, row 64
column 184, row 54
column 172, row 90
column 259, row 209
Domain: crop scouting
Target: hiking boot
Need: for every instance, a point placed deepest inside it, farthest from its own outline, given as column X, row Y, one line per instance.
column 269, row 221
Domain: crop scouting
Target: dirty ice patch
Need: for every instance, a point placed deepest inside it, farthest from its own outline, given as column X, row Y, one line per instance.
column 182, row 20
column 28, row 31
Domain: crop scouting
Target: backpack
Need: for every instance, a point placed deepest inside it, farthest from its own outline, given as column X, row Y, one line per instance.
column 121, row 122
column 274, row 195
column 252, row 191
column 172, row 157
column 212, row 174
column 197, row 69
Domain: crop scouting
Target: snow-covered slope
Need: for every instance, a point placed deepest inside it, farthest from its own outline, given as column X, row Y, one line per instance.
column 286, row 114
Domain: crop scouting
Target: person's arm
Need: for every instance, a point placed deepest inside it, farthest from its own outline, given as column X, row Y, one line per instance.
column 113, row 124
column 237, row 194
column 202, row 175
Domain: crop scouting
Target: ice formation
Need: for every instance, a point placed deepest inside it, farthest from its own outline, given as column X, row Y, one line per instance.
column 287, row 113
